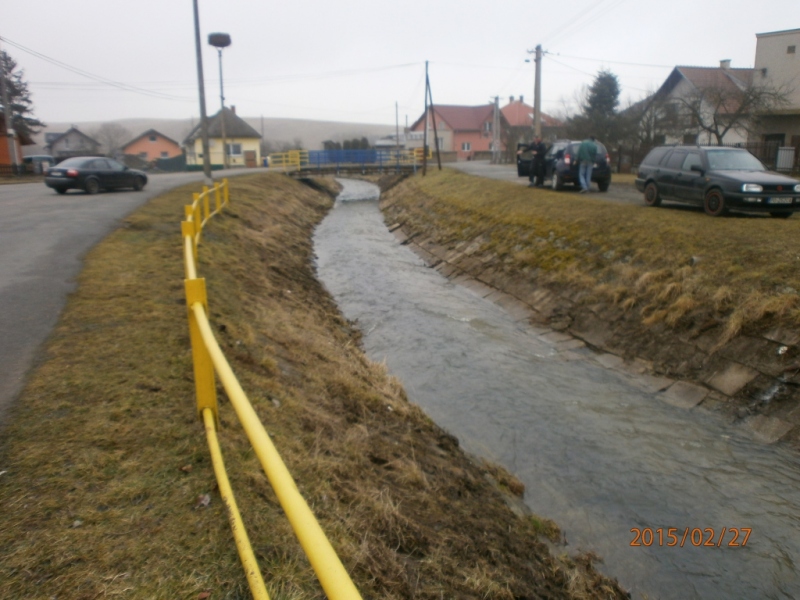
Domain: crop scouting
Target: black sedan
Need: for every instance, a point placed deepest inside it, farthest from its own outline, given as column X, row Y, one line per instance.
column 92, row 174
column 716, row 178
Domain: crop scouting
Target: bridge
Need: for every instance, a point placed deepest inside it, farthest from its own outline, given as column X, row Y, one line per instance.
column 344, row 162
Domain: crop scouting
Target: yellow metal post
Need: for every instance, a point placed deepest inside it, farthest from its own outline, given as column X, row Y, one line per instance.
column 204, row 381
column 217, row 189
column 227, row 191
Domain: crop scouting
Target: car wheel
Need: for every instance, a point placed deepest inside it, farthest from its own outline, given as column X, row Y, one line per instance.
column 557, row 182
column 138, row 183
column 61, row 190
column 780, row 215
column 651, row 195
column 714, row 204
column 603, row 184
column 92, row 186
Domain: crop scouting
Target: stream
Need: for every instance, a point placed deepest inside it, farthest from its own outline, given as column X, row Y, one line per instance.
column 597, row 454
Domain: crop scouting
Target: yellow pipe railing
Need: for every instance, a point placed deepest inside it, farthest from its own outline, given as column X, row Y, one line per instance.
column 208, row 358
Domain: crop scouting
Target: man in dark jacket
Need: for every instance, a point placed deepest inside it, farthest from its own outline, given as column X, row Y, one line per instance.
column 539, row 149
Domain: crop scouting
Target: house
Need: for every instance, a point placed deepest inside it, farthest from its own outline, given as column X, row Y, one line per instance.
column 714, row 91
column 243, row 142
column 777, row 64
column 520, row 118
column 152, row 145
column 71, row 143
column 464, row 130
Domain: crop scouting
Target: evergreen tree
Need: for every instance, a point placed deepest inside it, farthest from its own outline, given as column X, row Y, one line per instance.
column 599, row 116
column 23, row 121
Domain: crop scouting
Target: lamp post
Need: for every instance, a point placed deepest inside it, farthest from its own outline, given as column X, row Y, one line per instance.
column 220, row 41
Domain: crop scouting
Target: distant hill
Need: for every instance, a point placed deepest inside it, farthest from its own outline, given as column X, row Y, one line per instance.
column 276, row 131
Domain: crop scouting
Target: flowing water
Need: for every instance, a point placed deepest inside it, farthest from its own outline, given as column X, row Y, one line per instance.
column 596, row 453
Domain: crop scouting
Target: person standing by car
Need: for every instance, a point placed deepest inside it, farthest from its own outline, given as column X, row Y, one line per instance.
column 539, row 149
column 587, row 153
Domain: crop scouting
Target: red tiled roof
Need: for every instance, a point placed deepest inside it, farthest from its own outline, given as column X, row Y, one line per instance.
column 150, row 132
column 519, row 114
column 461, row 118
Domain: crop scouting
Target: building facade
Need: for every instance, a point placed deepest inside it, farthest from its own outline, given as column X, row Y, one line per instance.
column 152, row 145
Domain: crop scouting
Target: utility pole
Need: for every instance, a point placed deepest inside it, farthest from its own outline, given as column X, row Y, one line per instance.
column 435, row 132
column 8, row 115
column 495, row 130
column 202, row 90
column 427, row 120
column 537, row 98
column 537, row 92
column 397, row 134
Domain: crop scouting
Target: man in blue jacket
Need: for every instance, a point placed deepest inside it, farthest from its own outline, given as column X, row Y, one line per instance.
column 587, row 153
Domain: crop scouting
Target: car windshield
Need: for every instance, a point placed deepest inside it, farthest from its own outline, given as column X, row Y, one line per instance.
column 733, row 160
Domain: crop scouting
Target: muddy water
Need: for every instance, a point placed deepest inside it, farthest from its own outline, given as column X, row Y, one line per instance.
column 596, row 453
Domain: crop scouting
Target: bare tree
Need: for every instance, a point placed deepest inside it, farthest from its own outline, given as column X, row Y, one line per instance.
column 112, row 136
column 718, row 110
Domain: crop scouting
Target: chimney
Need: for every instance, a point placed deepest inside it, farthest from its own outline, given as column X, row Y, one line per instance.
column 725, row 64
column 233, row 107
column 511, row 99
column 521, row 99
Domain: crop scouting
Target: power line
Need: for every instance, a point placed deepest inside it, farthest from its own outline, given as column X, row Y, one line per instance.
column 97, row 78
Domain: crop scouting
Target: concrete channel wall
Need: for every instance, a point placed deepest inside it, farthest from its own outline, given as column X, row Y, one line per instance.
column 751, row 380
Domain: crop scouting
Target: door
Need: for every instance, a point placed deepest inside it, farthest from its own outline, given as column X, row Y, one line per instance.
column 250, row 159
column 669, row 170
column 689, row 183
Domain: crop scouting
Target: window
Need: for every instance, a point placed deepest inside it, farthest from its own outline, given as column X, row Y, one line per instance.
column 165, row 155
column 655, row 156
column 152, row 138
column 466, row 146
column 791, row 49
column 234, row 149
column 676, row 160
column 692, row 160
column 487, row 126
column 143, row 155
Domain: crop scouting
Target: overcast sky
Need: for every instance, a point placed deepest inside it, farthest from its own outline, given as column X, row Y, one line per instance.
column 351, row 60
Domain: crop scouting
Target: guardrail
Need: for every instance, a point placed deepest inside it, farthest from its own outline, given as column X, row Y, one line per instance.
column 338, row 159
column 209, row 359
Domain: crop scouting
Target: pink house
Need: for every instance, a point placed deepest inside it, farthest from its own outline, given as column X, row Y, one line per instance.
column 461, row 129
column 152, row 145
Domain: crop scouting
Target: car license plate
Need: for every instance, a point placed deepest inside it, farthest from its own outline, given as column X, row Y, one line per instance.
column 56, row 174
column 780, row 200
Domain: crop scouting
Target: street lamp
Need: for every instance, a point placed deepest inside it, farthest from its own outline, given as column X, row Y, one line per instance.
column 220, row 41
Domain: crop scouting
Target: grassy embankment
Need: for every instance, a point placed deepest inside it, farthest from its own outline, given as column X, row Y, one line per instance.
column 667, row 263
column 103, row 462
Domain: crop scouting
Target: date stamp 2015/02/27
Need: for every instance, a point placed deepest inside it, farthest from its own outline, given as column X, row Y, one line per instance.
column 696, row 536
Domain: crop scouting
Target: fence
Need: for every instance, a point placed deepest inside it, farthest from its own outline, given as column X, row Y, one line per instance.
column 208, row 359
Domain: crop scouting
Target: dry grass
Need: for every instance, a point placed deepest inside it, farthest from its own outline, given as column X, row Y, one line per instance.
column 104, row 458
column 675, row 266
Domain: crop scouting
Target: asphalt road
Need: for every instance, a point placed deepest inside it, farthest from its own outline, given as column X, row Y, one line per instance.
column 43, row 239
column 617, row 192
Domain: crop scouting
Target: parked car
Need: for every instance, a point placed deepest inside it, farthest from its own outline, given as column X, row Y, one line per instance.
column 716, row 178
column 92, row 174
column 561, row 167
column 38, row 163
